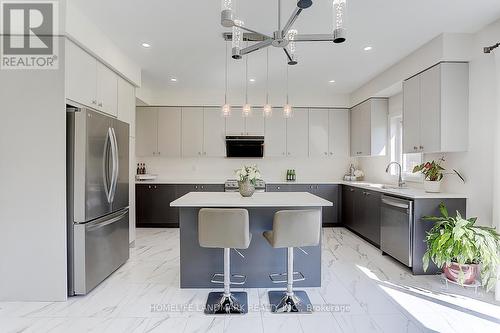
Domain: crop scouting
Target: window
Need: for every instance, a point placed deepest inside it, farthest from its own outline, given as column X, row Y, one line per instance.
column 408, row 161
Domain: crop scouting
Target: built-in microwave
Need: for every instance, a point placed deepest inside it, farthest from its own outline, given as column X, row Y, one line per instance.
column 245, row 146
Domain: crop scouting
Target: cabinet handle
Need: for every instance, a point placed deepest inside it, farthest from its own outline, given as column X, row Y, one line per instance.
column 326, row 153
column 310, row 187
column 149, row 186
column 196, row 187
column 202, row 187
column 351, row 189
column 199, row 153
column 205, row 153
column 94, row 101
column 159, row 153
column 331, row 153
column 415, row 148
column 288, row 153
column 277, row 187
column 421, row 147
column 100, row 104
column 155, row 187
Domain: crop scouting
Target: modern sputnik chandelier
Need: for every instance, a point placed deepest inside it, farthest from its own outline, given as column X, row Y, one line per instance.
column 285, row 36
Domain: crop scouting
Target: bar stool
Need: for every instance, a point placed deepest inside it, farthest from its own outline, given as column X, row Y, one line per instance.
column 292, row 228
column 227, row 229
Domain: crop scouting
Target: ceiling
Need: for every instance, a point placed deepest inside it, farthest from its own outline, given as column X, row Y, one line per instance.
column 186, row 43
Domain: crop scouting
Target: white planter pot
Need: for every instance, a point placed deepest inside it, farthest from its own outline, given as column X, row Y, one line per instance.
column 432, row 187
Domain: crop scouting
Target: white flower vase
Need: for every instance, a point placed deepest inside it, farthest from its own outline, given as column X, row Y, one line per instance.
column 432, row 186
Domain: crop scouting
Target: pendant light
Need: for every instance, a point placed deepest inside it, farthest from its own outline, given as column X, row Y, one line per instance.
column 247, row 108
column 226, row 108
column 268, row 109
column 339, row 9
column 287, row 109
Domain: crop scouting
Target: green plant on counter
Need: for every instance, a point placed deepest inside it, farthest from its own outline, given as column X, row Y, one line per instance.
column 248, row 173
column 433, row 171
column 454, row 239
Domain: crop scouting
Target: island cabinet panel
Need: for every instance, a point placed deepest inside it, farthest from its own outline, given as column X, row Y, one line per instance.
column 153, row 202
column 361, row 212
column 328, row 192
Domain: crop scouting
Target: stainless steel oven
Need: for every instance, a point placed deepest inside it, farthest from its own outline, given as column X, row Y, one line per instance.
column 396, row 228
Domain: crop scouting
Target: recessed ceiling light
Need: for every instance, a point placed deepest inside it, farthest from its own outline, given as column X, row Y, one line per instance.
column 252, row 80
column 368, row 48
column 331, row 81
column 146, row 45
column 174, row 79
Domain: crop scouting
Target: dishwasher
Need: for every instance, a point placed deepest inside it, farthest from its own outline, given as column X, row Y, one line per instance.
column 396, row 228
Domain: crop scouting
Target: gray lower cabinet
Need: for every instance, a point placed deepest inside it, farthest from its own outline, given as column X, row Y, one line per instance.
column 328, row 192
column 361, row 212
column 153, row 202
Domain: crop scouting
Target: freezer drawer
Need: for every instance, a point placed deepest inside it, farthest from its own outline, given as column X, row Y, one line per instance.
column 396, row 228
column 100, row 247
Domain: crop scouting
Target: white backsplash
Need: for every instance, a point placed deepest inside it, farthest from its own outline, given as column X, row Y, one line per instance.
column 272, row 169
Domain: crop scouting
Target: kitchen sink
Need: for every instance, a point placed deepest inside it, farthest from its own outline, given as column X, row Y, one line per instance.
column 393, row 187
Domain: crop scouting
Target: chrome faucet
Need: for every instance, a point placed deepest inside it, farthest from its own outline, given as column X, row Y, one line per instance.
column 401, row 183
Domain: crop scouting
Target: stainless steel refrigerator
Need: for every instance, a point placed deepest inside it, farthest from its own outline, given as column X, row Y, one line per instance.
column 98, row 187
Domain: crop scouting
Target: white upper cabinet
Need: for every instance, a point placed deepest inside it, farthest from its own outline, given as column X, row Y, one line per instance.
column 81, row 75
column 254, row 124
column 235, row 124
column 297, row 133
column 126, row 104
column 192, row 132
column 107, row 90
column 169, row 132
column 214, row 143
column 435, row 111
column 275, row 136
column 89, row 82
column 146, row 143
column 318, row 132
column 369, row 128
column 339, row 132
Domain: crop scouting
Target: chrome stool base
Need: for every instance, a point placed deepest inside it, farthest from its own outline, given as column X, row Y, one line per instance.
column 236, row 303
column 282, row 303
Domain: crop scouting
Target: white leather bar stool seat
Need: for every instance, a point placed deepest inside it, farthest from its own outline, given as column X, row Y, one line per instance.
column 226, row 229
column 292, row 228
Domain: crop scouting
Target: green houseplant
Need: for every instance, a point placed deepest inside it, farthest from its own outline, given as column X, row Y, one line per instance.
column 247, row 177
column 433, row 174
column 462, row 249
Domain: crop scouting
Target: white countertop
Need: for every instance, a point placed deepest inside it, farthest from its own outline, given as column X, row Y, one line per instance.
column 180, row 181
column 263, row 199
column 411, row 193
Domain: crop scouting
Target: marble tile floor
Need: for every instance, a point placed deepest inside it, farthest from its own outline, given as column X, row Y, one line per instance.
column 362, row 291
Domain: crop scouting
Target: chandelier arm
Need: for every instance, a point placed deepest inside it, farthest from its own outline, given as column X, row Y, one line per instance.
column 287, row 54
column 291, row 21
column 314, row 38
column 256, row 46
column 242, row 27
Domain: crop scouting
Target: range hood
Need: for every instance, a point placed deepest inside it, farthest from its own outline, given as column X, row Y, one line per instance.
column 245, row 146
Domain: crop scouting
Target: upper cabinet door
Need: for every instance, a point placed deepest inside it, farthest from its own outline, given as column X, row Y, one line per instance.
column 365, row 129
column 126, row 104
column 411, row 115
column 356, row 119
column 318, row 133
column 430, row 110
column 80, row 76
column 214, row 143
column 297, row 133
column 192, row 132
column 147, row 131
column 169, row 131
column 107, row 90
column 255, row 123
column 339, row 133
column 235, row 124
column 275, row 136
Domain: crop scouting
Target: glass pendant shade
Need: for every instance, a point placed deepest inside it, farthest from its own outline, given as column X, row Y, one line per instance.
column 291, row 44
column 226, row 110
column 267, row 111
column 237, row 39
column 247, row 110
column 226, row 14
column 287, row 111
column 339, row 9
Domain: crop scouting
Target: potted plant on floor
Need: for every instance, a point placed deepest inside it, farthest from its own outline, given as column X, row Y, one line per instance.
column 463, row 250
column 433, row 175
column 247, row 177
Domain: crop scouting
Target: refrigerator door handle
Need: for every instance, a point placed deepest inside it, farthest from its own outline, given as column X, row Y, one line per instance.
column 105, row 167
column 116, row 165
column 99, row 225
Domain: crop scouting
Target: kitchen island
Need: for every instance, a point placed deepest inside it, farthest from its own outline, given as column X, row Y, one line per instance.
column 197, row 264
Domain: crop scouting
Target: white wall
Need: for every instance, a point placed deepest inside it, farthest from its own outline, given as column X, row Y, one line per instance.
column 477, row 163
column 220, row 169
column 33, row 186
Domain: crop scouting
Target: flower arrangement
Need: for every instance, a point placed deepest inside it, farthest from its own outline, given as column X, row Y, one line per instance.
column 248, row 173
column 433, row 171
